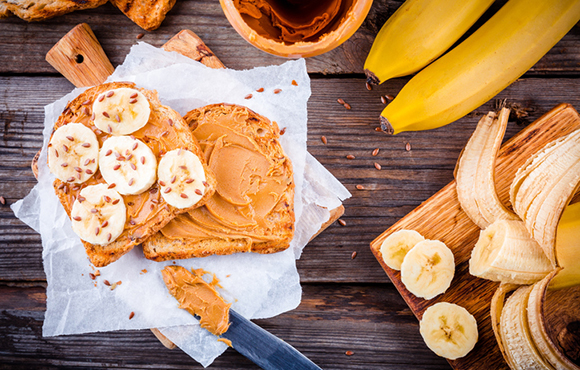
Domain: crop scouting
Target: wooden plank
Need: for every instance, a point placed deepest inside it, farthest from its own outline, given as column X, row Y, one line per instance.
column 24, row 45
column 372, row 321
column 442, row 218
column 405, row 181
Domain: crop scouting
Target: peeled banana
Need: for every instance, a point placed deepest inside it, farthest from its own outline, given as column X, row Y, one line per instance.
column 475, row 172
column 395, row 247
column 505, row 252
column 417, row 33
column 449, row 330
column 489, row 60
column 568, row 248
column 428, row 268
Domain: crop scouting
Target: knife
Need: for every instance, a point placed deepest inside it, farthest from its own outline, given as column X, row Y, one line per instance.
column 263, row 348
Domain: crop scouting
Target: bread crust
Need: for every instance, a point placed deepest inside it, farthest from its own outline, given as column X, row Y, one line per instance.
column 147, row 14
column 135, row 234
column 37, row 10
column 161, row 248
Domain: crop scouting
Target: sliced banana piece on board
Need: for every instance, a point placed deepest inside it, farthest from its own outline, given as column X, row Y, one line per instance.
column 121, row 111
column 128, row 163
column 73, row 153
column 396, row 246
column 506, row 252
column 98, row 214
column 181, row 178
column 449, row 330
column 428, row 268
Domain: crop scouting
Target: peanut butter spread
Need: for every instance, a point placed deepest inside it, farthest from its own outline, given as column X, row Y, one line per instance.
column 254, row 181
column 290, row 20
column 198, row 298
column 161, row 134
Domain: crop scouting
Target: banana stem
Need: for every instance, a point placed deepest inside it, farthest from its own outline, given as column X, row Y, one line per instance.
column 386, row 126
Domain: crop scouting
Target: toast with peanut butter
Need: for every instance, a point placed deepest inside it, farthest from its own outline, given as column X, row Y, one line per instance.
column 252, row 209
column 125, row 166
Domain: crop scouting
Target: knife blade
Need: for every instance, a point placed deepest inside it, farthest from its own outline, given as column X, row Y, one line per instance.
column 263, row 348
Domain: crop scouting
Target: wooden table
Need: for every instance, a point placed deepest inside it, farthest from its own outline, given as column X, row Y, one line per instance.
column 348, row 302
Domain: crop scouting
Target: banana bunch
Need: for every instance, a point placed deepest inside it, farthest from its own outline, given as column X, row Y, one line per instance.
column 489, row 60
column 415, row 36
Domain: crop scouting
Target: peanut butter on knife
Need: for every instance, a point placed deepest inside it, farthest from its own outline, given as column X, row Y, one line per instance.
column 198, row 298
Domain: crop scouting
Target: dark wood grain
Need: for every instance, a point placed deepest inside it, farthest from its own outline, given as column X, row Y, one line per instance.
column 24, row 45
column 379, row 324
column 407, row 178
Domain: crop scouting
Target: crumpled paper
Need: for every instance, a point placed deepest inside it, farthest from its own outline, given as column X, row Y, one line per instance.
column 258, row 286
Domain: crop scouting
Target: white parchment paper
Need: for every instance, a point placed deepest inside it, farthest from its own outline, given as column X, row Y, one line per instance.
column 258, row 286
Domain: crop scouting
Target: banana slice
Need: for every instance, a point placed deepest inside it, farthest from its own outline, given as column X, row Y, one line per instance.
column 128, row 163
column 73, row 152
column 396, row 246
column 428, row 268
column 98, row 214
column 181, row 178
column 449, row 330
column 121, row 111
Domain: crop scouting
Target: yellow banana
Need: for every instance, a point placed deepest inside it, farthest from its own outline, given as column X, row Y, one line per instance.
column 568, row 248
column 417, row 33
column 493, row 57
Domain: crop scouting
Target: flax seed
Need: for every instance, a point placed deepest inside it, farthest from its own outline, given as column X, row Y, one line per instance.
column 132, row 222
column 283, row 131
column 408, row 147
column 117, row 166
column 183, row 195
column 65, row 148
column 261, row 89
column 117, row 118
column 142, row 160
column 183, row 167
column 111, row 186
column 369, row 87
column 92, row 276
column 106, row 114
column 132, row 101
column 353, row 255
column 107, row 198
column 389, row 97
column 88, row 171
column 134, row 95
column 340, row 101
column 135, row 145
column 110, row 93
column 81, row 199
column 277, row 91
column 116, row 201
column 360, row 187
column 106, row 282
column 347, row 106
column 383, row 100
column 78, row 169
column 70, row 138
column 173, row 179
column 86, row 111
column 133, row 167
column 101, row 97
column 86, row 102
column 93, row 116
column 375, row 152
column 294, row 83
column 108, row 153
column 167, row 190
column 205, row 184
column 64, row 164
column 378, row 129
column 131, row 182
column 131, row 315
column 350, row 156
column 341, row 222
column 86, row 145
column 76, row 187
column 162, row 183
column 97, row 231
column 323, row 139
column 249, row 96
column 77, row 218
column 109, row 237
column 105, row 224
column 349, row 353
column 188, row 181
column 198, row 192
column 378, row 166
column 94, row 210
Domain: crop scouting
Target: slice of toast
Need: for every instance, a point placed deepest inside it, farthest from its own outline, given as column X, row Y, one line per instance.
column 37, row 10
column 226, row 224
column 147, row 14
column 147, row 212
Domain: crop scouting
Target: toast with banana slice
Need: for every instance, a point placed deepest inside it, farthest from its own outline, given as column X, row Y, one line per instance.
column 252, row 209
column 125, row 165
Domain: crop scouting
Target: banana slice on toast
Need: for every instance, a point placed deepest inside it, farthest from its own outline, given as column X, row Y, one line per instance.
column 121, row 111
column 181, row 178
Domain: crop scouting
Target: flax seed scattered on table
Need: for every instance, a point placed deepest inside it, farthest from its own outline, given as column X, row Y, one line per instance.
column 283, row 131
column 294, row 83
column 383, row 100
column 353, row 255
column 408, row 147
column 378, row 129
column 140, row 36
column 2, row 200
column 131, row 315
column 349, row 353
column 93, row 277
column 277, row 91
column 249, row 96
column 375, row 152
column 369, row 87
column 261, row 89
column 347, row 106
column 378, row 166
column 341, row 222
column 106, row 282
column 350, row 156
column 389, row 97
column 360, row 187
column 323, row 139
column 340, row 101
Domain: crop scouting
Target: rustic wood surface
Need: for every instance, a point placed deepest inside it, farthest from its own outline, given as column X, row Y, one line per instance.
column 348, row 304
column 441, row 218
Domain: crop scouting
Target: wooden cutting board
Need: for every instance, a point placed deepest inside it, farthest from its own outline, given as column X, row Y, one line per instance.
column 441, row 217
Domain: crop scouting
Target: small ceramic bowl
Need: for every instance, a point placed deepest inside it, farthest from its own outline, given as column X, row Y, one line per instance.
column 267, row 37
